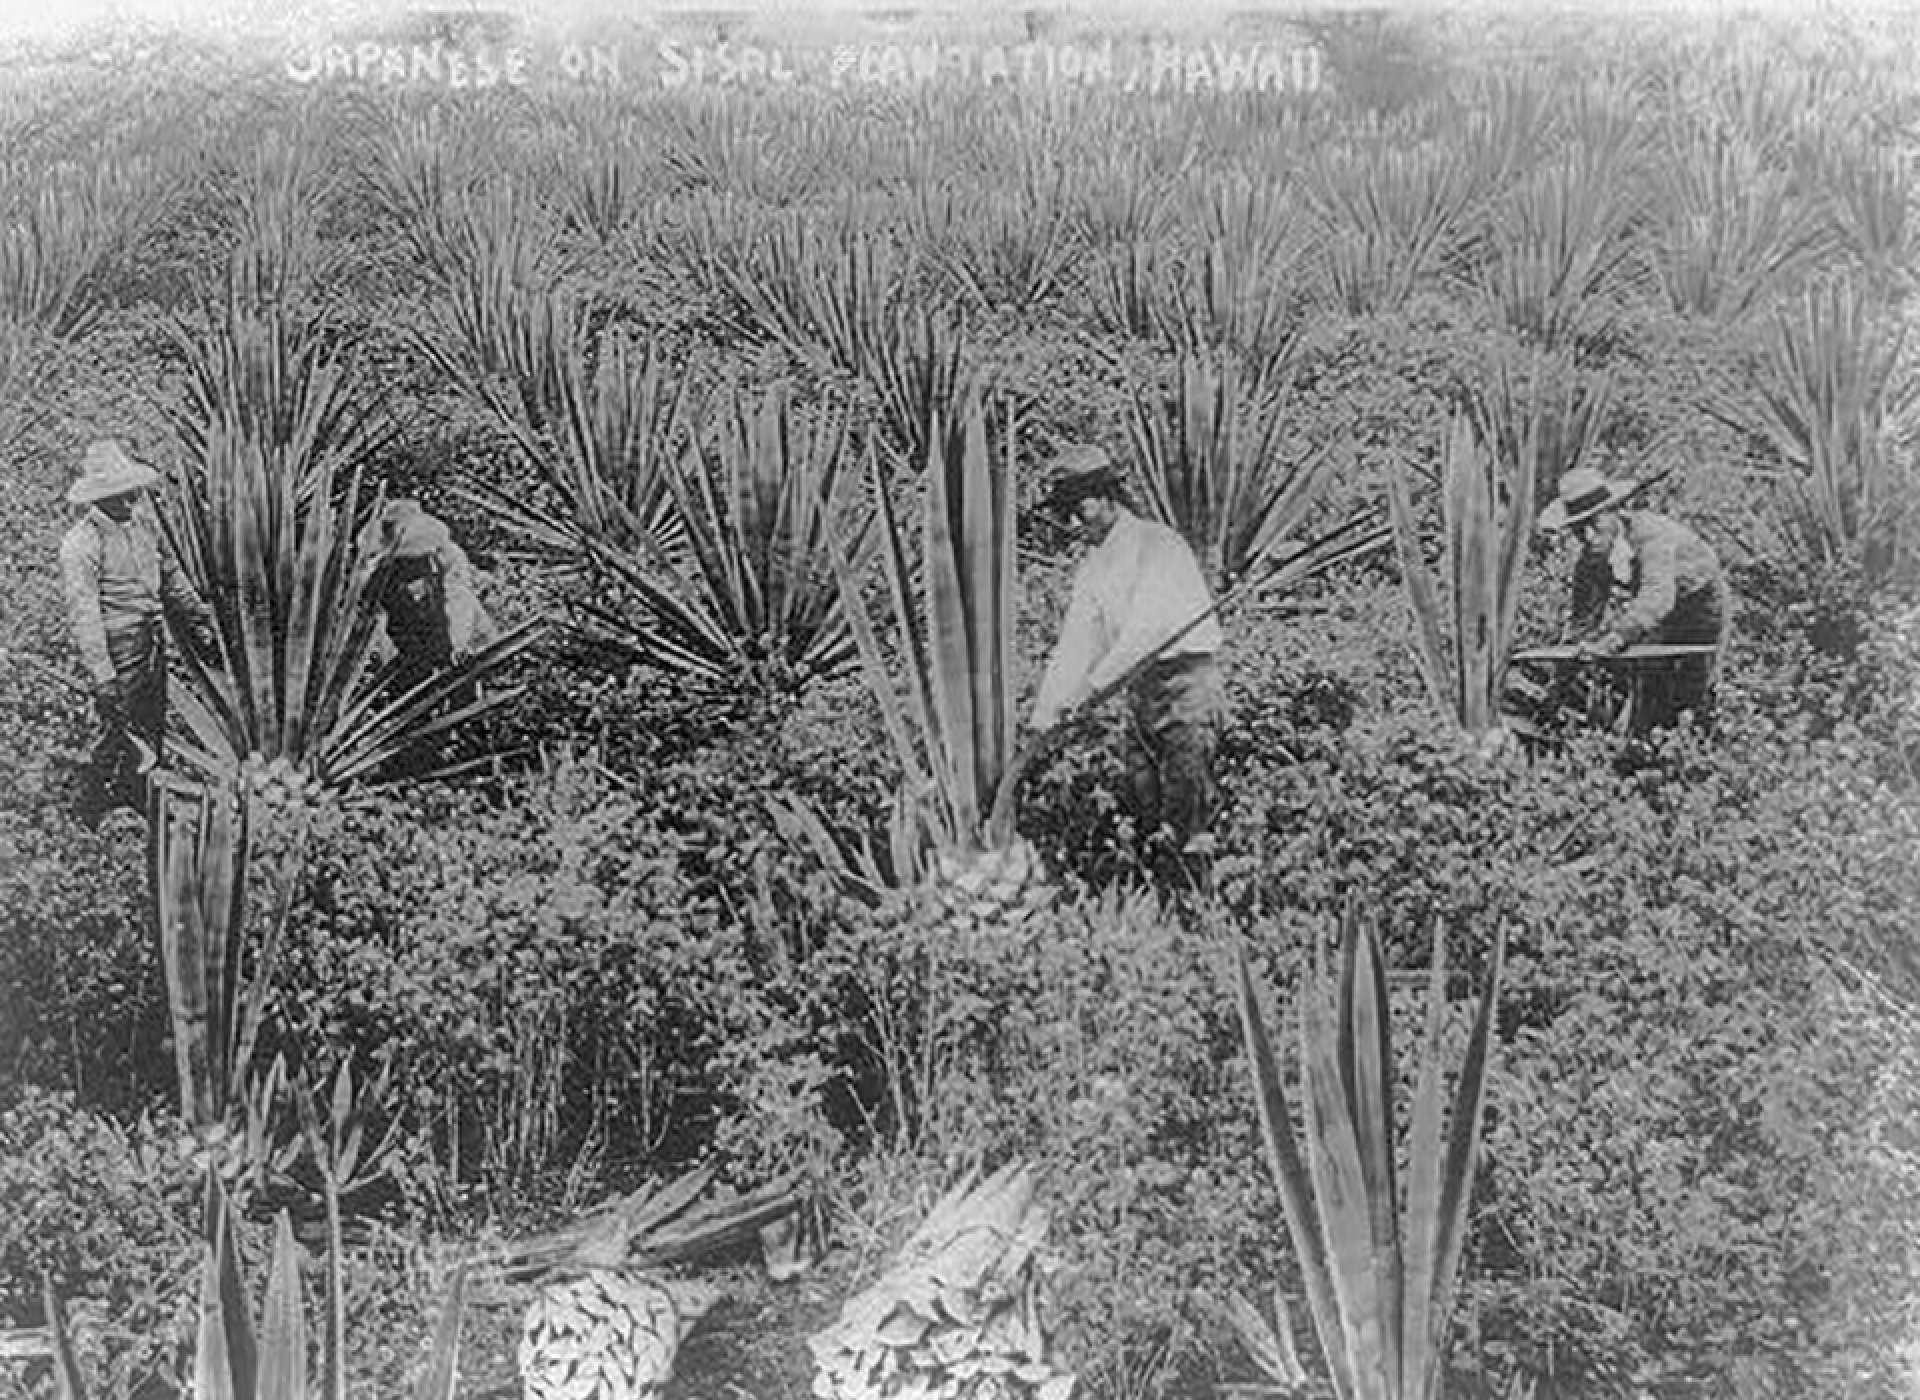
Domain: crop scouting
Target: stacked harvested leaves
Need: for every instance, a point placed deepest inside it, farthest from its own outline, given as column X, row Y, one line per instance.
column 957, row 1317
column 607, row 1335
column 604, row 1325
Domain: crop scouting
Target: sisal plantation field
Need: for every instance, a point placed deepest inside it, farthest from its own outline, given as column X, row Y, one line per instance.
column 705, row 984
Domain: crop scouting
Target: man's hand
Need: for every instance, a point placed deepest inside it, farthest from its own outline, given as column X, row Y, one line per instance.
column 1607, row 644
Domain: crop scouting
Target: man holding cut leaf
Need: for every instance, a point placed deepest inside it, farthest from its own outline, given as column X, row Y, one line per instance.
column 1140, row 615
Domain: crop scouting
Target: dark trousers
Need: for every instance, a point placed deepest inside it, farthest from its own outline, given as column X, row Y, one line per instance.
column 116, row 779
column 1663, row 692
column 1173, row 728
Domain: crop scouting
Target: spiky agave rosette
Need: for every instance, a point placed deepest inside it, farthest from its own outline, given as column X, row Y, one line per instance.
column 957, row 1316
column 1001, row 886
column 280, row 785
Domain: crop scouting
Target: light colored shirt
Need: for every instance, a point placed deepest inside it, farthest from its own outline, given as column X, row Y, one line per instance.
column 116, row 574
column 1655, row 562
column 1136, row 589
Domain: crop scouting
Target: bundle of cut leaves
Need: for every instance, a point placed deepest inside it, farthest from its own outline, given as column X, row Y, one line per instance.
column 957, row 1316
column 604, row 1319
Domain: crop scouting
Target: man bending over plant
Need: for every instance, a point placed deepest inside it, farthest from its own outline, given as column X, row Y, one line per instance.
column 1674, row 590
column 1140, row 615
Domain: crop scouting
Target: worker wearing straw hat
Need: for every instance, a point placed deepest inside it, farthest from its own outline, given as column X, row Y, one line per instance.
column 121, row 586
column 424, row 585
column 1668, row 581
column 1140, row 605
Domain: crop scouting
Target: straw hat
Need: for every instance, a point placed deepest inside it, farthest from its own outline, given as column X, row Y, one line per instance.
column 107, row 471
column 1584, row 493
column 405, row 530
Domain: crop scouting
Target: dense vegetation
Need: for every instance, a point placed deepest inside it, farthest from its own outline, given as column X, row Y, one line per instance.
column 670, row 365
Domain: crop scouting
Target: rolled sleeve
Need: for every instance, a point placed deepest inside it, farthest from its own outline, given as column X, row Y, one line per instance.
column 1659, row 587
column 463, row 605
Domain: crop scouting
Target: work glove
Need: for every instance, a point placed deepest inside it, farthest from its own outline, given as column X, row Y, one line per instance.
column 110, row 702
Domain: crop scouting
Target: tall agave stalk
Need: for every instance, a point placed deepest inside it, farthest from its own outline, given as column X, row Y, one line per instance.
column 762, row 501
column 1212, row 463
column 1381, row 1263
column 1827, row 392
column 1487, row 516
column 954, row 731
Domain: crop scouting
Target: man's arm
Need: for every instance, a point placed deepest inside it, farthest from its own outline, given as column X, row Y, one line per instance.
column 463, row 605
column 1659, row 587
column 80, row 577
column 1064, row 683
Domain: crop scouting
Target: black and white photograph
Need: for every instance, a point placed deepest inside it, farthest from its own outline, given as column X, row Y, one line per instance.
column 849, row 700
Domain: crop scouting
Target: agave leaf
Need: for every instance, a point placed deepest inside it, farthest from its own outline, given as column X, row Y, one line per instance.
column 441, row 1378
column 226, row 1361
column 1270, row 1347
column 1461, row 1166
column 67, row 1384
column 1425, row 1160
column 1294, row 1180
column 1471, row 558
column 1340, row 1193
column 1431, row 651
column 1366, row 1071
column 198, row 854
column 283, row 1327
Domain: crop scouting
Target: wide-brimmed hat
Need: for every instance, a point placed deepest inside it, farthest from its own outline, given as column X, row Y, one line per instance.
column 1081, row 470
column 107, row 471
column 1584, row 493
column 404, row 530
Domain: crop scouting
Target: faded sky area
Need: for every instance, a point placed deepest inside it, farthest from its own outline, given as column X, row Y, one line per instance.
column 47, row 20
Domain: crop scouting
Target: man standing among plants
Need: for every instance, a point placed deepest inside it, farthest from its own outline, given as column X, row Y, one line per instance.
column 1140, row 614
column 1675, row 590
column 121, row 587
